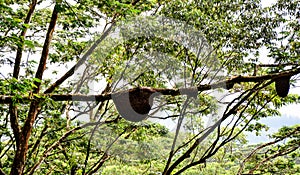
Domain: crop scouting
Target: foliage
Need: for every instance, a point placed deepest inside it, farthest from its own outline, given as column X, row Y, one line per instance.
column 50, row 49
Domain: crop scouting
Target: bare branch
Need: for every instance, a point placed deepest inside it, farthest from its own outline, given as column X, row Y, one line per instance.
column 211, row 129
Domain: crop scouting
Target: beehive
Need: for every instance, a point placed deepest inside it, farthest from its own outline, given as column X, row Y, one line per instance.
column 282, row 86
column 134, row 104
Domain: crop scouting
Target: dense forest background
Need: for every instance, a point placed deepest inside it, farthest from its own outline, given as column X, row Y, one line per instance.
column 147, row 87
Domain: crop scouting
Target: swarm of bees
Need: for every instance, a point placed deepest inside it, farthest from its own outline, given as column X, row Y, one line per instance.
column 134, row 104
column 282, row 86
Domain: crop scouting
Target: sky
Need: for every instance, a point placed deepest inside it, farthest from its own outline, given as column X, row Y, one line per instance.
column 266, row 3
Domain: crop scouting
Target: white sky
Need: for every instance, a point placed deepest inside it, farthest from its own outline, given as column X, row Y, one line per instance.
column 266, row 3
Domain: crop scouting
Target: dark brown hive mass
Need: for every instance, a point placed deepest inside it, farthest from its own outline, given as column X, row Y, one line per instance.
column 134, row 104
column 229, row 85
column 282, row 86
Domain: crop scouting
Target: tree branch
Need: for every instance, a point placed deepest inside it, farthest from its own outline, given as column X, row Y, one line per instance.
column 277, row 65
column 245, row 95
column 22, row 37
column 105, row 156
column 23, row 136
column 4, row 99
column 280, row 153
column 263, row 146
column 2, row 172
column 80, row 62
column 13, row 111
column 63, row 137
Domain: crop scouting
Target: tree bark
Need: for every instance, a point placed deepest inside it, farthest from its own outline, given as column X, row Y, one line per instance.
column 23, row 136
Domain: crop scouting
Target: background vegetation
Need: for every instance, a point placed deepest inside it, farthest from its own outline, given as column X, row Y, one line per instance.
column 56, row 121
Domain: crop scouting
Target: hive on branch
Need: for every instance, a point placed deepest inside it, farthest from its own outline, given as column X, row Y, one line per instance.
column 229, row 85
column 282, row 85
column 134, row 104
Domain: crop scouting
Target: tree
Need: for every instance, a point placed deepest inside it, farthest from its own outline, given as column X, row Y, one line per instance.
column 280, row 156
column 41, row 130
